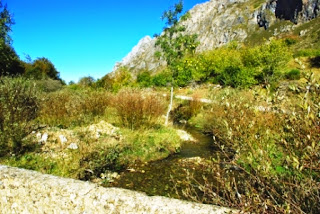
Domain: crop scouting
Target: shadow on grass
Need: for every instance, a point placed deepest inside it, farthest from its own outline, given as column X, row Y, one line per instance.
column 315, row 62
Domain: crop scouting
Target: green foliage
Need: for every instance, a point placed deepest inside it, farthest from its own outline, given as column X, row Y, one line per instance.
column 49, row 85
column 122, row 78
column 237, row 77
column 41, row 68
column 150, row 144
column 144, row 79
column 9, row 61
column 233, row 65
column 293, row 74
column 86, row 81
column 290, row 41
column 267, row 60
column 174, row 43
column 18, row 107
column 6, row 21
column 307, row 53
column 162, row 79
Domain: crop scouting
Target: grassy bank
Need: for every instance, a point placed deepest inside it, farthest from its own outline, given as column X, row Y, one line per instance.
column 84, row 133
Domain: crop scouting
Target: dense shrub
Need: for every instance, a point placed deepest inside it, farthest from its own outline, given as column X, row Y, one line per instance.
column 237, row 77
column 86, row 81
column 293, row 74
column 41, row 68
column 266, row 60
column 144, row 79
column 137, row 108
column 187, row 109
column 49, row 85
column 122, row 78
column 233, row 65
column 68, row 107
column 268, row 160
column 162, row 79
column 10, row 64
column 307, row 53
column 18, row 107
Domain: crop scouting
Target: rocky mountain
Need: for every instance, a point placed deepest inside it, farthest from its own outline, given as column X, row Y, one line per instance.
column 218, row 22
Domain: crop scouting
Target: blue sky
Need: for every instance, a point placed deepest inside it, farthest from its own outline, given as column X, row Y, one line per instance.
column 81, row 37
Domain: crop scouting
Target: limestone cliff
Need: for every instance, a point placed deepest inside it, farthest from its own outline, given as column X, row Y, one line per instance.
column 218, row 22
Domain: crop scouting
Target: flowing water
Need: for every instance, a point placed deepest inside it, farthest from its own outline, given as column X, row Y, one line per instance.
column 168, row 176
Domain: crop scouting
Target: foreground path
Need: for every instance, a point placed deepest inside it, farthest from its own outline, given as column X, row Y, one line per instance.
column 24, row 191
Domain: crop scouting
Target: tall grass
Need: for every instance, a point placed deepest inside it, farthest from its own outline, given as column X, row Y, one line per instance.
column 66, row 107
column 136, row 108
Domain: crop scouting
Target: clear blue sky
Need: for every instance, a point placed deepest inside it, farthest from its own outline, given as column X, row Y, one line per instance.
column 81, row 37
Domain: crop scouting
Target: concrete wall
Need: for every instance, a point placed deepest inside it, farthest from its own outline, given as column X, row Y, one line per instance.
column 24, row 191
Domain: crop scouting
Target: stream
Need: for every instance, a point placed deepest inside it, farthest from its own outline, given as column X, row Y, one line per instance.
column 168, row 177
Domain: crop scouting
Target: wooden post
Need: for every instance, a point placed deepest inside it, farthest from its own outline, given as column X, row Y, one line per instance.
column 170, row 107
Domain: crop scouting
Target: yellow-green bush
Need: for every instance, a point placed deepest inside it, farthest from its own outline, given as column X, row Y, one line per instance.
column 268, row 159
column 234, row 65
column 18, row 107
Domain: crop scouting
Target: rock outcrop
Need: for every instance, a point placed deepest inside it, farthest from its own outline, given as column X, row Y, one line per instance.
column 24, row 191
column 218, row 22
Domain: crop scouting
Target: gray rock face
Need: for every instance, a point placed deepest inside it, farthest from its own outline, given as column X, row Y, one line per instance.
column 294, row 10
column 218, row 22
column 24, row 191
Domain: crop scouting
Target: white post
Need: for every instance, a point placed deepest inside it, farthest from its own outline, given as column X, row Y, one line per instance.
column 170, row 107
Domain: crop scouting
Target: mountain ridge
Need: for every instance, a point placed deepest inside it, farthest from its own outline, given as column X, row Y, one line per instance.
column 218, row 22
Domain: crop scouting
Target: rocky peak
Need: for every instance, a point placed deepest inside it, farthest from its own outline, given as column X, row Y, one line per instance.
column 142, row 46
column 218, row 22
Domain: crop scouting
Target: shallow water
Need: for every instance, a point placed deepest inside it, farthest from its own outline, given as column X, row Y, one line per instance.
column 167, row 177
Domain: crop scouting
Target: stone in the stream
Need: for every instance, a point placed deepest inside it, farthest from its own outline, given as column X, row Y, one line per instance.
column 185, row 136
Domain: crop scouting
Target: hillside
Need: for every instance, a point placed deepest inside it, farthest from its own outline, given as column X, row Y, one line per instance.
column 250, row 21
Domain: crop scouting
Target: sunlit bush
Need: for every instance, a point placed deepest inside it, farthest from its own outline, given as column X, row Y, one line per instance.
column 268, row 160
column 18, row 107
column 68, row 107
column 137, row 109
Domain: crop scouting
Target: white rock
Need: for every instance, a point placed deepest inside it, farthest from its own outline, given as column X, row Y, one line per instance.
column 185, row 136
column 38, row 136
column 44, row 138
column 73, row 146
column 63, row 139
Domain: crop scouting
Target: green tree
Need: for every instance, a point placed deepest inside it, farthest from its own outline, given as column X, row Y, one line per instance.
column 86, row 81
column 9, row 60
column 6, row 21
column 174, row 43
column 41, row 68
column 144, row 79
column 267, row 60
column 10, row 63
